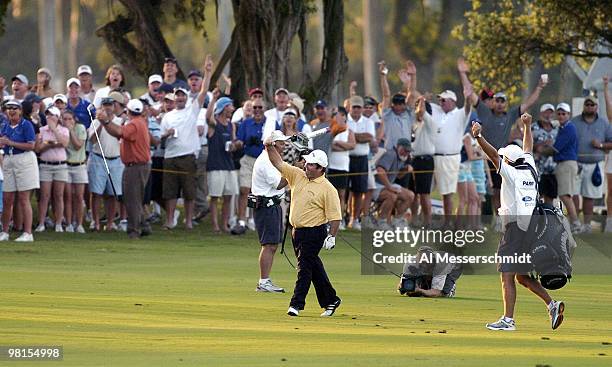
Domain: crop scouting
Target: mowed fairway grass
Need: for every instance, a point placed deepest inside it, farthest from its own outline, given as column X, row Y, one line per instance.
column 188, row 299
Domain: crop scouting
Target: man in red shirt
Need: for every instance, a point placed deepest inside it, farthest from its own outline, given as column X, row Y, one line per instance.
column 136, row 156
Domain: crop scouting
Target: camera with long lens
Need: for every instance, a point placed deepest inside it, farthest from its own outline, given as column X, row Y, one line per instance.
column 410, row 280
column 300, row 142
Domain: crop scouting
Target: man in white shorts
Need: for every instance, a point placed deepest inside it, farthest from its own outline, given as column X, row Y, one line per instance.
column 449, row 124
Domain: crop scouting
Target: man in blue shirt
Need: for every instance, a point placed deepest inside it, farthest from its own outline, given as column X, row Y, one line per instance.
column 248, row 137
column 77, row 104
column 566, row 155
column 170, row 71
column 594, row 138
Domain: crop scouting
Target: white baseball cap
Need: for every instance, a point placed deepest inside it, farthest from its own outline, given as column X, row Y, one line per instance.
column 84, row 69
column 278, row 135
column 22, row 78
column 47, row 102
column 135, row 106
column 564, row 106
column 512, row 152
column 317, row 157
column 546, row 107
column 44, row 70
column 53, row 111
column 156, row 78
column 73, row 80
column 60, row 97
column 448, row 94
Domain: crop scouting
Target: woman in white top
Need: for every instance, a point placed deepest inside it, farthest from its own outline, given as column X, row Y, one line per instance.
column 115, row 80
column 338, row 167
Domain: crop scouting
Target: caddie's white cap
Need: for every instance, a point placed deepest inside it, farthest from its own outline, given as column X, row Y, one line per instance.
column 317, row 157
column 512, row 152
column 73, row 80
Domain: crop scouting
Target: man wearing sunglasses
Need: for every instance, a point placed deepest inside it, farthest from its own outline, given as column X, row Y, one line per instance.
column 594, row 138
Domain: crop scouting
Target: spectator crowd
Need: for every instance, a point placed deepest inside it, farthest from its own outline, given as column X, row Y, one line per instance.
column 102, row 160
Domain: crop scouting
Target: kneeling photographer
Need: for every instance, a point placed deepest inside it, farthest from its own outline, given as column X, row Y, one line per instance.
column 427, row 277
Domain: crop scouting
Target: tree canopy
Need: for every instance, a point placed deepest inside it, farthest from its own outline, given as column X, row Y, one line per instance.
column 505, row 36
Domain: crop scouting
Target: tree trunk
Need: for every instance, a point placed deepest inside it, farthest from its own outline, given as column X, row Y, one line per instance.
column 75, row 12
column 373, row 44
column 265, row 31
column 147, row 56
column 334, row 62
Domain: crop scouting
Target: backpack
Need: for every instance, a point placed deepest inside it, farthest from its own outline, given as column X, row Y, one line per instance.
column 550, row 241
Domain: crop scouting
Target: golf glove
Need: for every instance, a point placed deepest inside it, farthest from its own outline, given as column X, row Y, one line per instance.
column 330, row 242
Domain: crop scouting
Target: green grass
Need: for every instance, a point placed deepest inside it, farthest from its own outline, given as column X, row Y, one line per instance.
column 187, row 299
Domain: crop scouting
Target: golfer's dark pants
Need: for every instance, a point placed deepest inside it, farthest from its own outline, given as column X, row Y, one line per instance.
column 135, row 178
column 307, row 242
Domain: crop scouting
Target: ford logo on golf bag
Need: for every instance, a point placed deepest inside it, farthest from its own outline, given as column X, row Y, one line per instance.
column 527, row 199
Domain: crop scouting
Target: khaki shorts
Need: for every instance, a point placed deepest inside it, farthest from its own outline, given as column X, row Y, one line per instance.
column 246, row 170
column 77, row 174
column 222, row 183
column 179, row 177
column 20, row 172
column 566, row 173
column 50, row 172
column 446, row 173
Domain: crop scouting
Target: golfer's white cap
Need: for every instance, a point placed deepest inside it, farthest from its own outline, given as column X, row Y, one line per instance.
column 317, row 157
column 512, row 152
column 84, row 69
column 156, row 78
column 278, row 135
column 73, row 81
column 135, row 106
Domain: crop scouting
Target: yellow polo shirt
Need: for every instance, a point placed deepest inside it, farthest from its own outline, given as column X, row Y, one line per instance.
column 313, row 202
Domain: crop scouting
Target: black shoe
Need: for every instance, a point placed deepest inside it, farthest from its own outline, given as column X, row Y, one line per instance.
column 330, row 309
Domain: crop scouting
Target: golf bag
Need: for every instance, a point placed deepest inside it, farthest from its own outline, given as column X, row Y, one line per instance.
column 550, row 242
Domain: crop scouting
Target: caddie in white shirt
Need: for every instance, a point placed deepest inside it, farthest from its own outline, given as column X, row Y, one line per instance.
column 518, row 196
column 267, row 190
